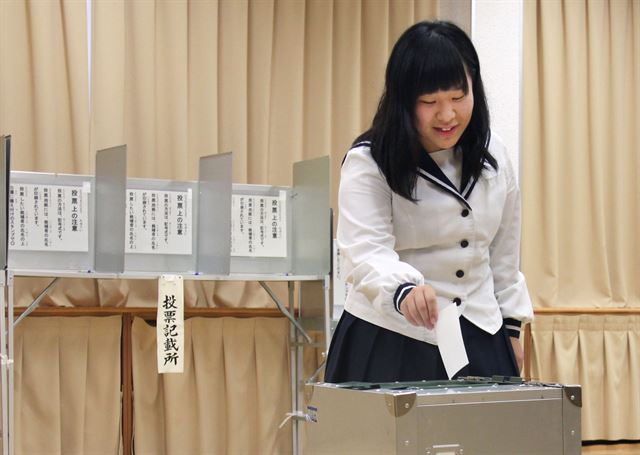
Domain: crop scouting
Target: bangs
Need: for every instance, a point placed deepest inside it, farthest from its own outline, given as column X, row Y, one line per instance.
column 439, row 67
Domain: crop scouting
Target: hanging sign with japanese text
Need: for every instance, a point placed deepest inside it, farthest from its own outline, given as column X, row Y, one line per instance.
column 170, row 324
column 48, row 217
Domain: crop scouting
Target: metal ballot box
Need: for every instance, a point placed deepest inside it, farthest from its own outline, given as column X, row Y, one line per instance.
column 470, row 416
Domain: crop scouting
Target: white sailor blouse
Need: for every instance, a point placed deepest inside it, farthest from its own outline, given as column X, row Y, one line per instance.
column 465, row 244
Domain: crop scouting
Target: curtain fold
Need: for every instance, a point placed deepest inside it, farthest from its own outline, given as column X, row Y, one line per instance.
column 44, row 102
column 580, row 160
column 67, row 386
column 274, row 81
column 581, row 208
column 233, row 394
column 601, row 353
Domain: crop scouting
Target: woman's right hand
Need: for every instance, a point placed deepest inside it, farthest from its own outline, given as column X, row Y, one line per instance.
column 420, row 307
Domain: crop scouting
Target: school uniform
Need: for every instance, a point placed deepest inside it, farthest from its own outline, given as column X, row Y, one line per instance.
column 462, row 242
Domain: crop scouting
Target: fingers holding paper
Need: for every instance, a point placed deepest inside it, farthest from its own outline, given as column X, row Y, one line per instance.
column 420, row 307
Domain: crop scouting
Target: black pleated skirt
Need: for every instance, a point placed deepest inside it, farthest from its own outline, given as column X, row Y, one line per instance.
column 364, row 352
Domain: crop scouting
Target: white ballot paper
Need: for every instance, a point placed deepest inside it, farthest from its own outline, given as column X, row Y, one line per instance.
column 450, row 343
column 170, row 324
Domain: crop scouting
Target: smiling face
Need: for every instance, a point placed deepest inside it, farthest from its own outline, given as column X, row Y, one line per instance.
column 442, row 116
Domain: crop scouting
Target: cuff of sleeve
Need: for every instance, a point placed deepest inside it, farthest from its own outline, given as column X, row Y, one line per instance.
column 402, row 291
column 513, row 327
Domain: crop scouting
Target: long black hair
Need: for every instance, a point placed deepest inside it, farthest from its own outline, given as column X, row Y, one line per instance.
column 429, row 56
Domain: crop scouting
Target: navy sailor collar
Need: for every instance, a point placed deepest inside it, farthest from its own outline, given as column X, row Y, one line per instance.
column 430, row 171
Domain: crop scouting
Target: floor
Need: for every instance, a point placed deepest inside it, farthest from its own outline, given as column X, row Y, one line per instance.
column 617, row 449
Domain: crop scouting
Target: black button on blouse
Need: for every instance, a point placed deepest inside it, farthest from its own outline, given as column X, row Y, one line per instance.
column 459, row 273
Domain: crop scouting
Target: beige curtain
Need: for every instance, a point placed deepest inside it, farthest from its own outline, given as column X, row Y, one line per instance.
column 233, row 394
column 580, row 158
column 273, row 81
column 67, row 386
column 602, row 353
column 580, row 165
column 44, row 98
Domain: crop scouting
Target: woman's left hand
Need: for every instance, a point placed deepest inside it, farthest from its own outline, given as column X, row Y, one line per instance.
column 518, row 352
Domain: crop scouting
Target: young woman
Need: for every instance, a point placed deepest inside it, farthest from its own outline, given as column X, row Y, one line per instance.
column 429, row 216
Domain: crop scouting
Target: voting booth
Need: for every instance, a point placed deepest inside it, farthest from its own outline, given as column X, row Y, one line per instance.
column 110, row 224
column 112, row 227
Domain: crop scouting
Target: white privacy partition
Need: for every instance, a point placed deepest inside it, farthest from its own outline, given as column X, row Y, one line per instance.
column 5, row 166
column 214, row 221
column 40, row 231
column 312, row 216
column 286, row 232
column 160, row 226
column 299, row 216
column 111, row 227
column 256, row 245
column 111, row 177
